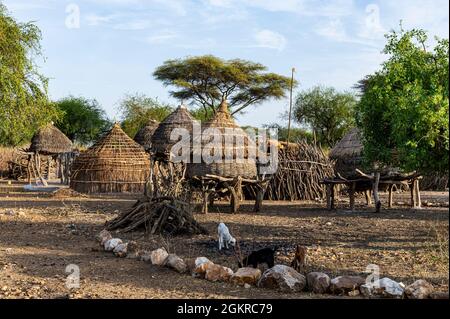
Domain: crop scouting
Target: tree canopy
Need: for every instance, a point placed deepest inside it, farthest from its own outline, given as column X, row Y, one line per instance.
column 83, row 120
column 207, row 80
column 404, row 107
column 328, row 113
column 24, row 104
column 137, row 109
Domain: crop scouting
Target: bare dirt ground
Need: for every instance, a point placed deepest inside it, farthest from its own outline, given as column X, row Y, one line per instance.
column 47, row 234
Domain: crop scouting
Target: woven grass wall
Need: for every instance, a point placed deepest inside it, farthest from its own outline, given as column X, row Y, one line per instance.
column 115, row 164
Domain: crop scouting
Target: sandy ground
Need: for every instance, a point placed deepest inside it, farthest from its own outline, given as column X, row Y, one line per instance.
column 48, row 234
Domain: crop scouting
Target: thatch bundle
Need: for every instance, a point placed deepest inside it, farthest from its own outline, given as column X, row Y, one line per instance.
column 348, row 153
column 161, row 142
column 50, row 140
column 236, row 152
column 301, row 168
column 114, row 164
column 144, row 135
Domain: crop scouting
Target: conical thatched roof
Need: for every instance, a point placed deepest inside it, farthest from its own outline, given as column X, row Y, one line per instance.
column 114, row 164
column 348, row 153
column 144, row 135
column 50, row 140
column 161, row 143
column 237, row 154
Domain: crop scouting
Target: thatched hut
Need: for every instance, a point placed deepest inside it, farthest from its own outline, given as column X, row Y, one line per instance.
column 49, row 155
column 348, row 153
column 161, row 142
column 144, row 136
column 235, row 158
column 49, row 140
column 115, row 164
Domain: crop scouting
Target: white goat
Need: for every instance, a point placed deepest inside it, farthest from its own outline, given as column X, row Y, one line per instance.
column 225, row 236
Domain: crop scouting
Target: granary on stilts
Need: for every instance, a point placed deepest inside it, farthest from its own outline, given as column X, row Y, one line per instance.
column 348, row 156
column 49, row 155
column 144, row 136
column 232, row 160
column 115, row 164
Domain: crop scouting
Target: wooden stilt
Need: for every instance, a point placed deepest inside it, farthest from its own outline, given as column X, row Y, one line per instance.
column 375, row 193
column 329, row 196
column 417, row 194
column 352, row 196
column 205, row 202
column 391, row 188
column 368, row 197
column 413, row 197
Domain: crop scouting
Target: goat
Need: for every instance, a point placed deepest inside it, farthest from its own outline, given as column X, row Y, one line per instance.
column 225, row 237
column 265, row 255
column 299, row 261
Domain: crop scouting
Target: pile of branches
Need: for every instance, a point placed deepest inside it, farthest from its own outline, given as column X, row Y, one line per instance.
column 301, row 168
column 158, row 215
column 434, row 182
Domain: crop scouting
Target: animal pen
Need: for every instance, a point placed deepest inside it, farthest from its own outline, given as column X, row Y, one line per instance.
column 115, row 164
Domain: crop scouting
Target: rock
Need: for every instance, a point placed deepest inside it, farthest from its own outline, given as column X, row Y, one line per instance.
column 384, row 287
column 217, row 272
column 132, row 250
column 247, row 286
column 112, row 243
column 174, row 262
column 121, row 250
column 354, row 293
column 247, row 275
column 318, row 282
column 103, row 237
column 200, row 267
column 439, row 295
column 159, row 256
column 420, row 289
column 282, row 278
column 145, row 255
column 345, row 284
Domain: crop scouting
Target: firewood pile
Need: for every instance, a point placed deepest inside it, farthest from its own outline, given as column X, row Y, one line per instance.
column 301, row 168
column 158, row 215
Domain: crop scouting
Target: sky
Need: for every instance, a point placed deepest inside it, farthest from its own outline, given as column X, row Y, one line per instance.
column 104, row 49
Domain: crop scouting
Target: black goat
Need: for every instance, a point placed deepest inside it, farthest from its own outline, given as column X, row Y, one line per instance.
column 265, row 255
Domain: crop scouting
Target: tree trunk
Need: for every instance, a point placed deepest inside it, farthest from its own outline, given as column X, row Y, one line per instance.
column 375, row 193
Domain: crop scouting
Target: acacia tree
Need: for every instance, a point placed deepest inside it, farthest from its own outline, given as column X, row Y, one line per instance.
column 24, row 104
column 208, row 80
column 137, row 109
column 83, row 120
column 326, row 112
column 404, row 107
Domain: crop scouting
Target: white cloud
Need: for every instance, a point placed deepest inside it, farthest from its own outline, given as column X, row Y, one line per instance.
column 133, row 25
column 161, row 37
column 270, row 39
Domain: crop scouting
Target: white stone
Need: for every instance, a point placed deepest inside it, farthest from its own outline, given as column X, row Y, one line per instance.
column 112, row 243
column 159, row 256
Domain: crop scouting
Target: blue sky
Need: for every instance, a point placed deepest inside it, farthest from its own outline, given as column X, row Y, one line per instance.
column 117, row 44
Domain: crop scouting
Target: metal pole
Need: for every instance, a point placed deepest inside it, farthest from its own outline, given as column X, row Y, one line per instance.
column 290, row 107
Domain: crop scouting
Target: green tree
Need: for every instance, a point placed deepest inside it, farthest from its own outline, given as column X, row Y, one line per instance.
column 207, row 80
column 83, row 120
column 137, row 109
column 297, row 133
column 24, row 104
column 326, row 112
column 404, row 107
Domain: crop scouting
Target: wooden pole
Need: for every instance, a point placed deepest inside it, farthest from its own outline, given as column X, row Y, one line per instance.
column 391, row 187
column 352, row 196
column 290, row 107
column 375, row 193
